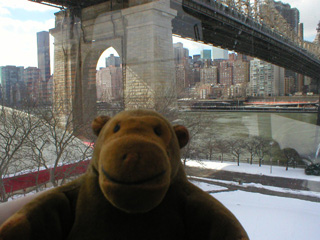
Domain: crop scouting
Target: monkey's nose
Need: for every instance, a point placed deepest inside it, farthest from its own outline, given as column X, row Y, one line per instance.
column 130, row 157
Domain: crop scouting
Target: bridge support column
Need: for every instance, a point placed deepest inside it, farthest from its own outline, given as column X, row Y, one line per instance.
column 67, row 59
column 74, row 98
column 149, row 80
column 141, row 34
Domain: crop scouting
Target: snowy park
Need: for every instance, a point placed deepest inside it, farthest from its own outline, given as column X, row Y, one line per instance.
column 264, row 216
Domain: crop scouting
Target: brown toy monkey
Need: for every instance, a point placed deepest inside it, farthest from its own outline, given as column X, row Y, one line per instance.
column 134, row 188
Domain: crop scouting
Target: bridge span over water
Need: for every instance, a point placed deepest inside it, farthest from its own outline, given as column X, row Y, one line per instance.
column 215, row 23
column 141, row 32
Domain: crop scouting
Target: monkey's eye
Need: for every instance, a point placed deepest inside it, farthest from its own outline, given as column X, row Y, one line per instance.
column 157, row 131
column 116, row 128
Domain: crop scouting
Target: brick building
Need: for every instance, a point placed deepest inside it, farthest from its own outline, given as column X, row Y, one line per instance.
column 11, row 79
column 209, row 75
column 241, row 71
column 289, row 85
column 226, row 73
column 109, row 84
column 32, row 80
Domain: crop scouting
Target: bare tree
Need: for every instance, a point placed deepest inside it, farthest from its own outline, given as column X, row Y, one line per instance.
column 37, row 141
column 195, row 126
column 15, row 128
column 262, row 148
column 292, row 157
column 250, row 145
column 222, row 147
column 236, row 148
column 209, row 147
column 55, row 143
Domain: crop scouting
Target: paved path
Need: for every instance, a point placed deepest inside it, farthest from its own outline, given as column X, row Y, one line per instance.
column 294, row 184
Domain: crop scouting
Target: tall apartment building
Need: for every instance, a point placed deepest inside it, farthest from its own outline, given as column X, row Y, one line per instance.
column 43, row 45
column 181, row 54
column 209, row 75
column 44, row 55
column 291, row 15
column 219, row 53
column 266, row 79
column 206, row 54
column 109, row 84
column 289, row 87
column 11, row 79
column 184, row 78
column 241, row 71
column 113, row 61
column 196, row 58
column 226, row 73
column 317, row 38
column 32, row 80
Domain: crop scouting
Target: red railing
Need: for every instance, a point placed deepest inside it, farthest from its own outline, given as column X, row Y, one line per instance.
column 24, row 181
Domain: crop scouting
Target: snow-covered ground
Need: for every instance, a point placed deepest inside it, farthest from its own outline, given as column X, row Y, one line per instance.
column 275, row 171
column 263, row 216
column 269, row 217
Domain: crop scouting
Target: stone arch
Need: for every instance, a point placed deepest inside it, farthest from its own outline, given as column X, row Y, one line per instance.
column 142, row 36
column 89, row 63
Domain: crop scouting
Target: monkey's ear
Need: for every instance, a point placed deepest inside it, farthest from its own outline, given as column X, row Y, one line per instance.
column 98, row 123
column 182, row 135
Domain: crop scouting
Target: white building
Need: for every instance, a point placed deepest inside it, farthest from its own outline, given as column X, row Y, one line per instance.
column 266, row 79
column 219, row 53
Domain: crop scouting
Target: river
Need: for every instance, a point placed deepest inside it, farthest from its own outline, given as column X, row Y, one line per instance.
column 289, row 130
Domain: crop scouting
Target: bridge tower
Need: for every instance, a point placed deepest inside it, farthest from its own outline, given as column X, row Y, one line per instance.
column 317, row 38
column 140, row 33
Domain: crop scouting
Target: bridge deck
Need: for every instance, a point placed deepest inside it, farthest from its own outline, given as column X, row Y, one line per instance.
column 216, row 24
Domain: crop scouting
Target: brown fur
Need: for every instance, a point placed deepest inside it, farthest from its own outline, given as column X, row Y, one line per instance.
column 134, row 188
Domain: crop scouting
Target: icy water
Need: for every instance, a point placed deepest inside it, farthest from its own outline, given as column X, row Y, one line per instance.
column 289, row 130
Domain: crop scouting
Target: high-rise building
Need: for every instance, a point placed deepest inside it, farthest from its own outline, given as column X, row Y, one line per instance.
column 196, row 58
column 109, row 84
column 113, row 61
column 219, row 53
column 317, row 38
column 44, row 55
column 183, row 76
column 266, row 79
column 32, row 80
column 184, row 79
column 226, row 73
column 209, row 75
column 43, row 44
column 289, row 87
column 206, row 54
column 241, row 70
column 181, row 54
column 291, row 15
column 11, row 79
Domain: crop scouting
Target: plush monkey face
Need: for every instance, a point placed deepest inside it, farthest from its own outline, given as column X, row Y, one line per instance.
column 137, row 156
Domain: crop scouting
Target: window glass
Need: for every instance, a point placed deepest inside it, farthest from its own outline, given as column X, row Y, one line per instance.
column 242, row 76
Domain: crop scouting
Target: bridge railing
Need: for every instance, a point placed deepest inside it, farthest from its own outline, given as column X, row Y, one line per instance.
column 304, row 47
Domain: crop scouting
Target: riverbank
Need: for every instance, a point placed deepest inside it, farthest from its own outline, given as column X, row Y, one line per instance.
column 275, row 180
column 253, row 109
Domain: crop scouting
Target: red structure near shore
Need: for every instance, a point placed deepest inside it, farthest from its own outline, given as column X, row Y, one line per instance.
column 28, row 180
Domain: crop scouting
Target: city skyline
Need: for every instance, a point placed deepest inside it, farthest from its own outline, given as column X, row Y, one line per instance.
column 22, row 19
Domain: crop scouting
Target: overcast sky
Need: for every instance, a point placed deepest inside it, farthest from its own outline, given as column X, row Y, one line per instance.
column 20, row 20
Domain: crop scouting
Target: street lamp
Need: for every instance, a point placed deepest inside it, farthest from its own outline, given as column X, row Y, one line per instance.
column 271, row 143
